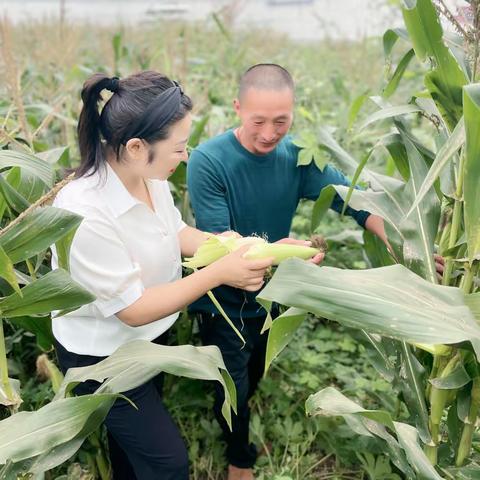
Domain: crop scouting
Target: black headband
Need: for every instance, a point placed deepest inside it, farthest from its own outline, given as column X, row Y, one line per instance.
column 157, row 115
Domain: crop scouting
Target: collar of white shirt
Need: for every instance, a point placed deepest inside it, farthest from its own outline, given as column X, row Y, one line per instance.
column 115, row 194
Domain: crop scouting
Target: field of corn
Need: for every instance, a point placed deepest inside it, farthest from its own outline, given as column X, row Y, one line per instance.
column 372, row 369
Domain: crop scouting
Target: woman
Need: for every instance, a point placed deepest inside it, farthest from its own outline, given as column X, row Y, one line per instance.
column 127, row 251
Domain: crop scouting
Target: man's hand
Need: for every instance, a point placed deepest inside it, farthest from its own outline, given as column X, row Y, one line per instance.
column 317, row 259
column 376, row 225
column 229, row 233
column 439, row 265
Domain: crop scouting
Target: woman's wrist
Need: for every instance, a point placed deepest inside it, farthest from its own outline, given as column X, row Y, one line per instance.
column 214, row 274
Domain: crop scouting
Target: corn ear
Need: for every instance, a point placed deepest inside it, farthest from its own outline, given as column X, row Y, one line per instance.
column 206, row 254
column 280, row 252
column 216, row 247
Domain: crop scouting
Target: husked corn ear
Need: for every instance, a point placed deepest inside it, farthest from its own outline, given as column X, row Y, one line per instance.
column 280, row 251
column 216, row 247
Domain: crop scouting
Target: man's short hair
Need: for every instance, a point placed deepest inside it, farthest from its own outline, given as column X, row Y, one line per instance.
column 266, row 76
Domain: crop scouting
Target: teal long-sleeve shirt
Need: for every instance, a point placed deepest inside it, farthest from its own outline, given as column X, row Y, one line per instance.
column 233, row 189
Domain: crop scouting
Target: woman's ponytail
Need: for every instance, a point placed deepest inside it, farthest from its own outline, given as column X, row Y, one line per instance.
column 89, row 130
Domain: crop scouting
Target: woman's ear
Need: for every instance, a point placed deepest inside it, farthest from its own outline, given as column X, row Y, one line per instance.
column 136, row 149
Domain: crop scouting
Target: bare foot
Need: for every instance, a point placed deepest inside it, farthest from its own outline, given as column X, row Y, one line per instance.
column 235, row 473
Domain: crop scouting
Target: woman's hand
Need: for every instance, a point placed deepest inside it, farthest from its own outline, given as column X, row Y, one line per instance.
column 238, row 272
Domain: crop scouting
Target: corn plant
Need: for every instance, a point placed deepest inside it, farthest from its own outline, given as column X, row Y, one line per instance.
column 423, row 330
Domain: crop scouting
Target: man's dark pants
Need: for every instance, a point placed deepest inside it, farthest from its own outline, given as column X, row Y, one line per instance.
column 246, row 366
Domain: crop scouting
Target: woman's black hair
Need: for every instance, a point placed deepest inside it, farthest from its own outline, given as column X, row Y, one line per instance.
column 144, row 105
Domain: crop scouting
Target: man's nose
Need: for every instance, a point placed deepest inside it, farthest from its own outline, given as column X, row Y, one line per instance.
column 268, row 133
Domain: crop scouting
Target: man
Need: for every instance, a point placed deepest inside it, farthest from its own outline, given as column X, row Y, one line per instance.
column 247, row 180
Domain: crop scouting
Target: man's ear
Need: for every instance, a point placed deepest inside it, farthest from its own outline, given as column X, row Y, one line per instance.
column 236, row 106
column 135, row 148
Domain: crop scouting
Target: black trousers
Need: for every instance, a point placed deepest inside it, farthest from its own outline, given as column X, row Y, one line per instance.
column 246, row 368
column 144, row 444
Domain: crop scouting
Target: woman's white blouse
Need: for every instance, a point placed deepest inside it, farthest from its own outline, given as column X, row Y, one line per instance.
column 121, row 248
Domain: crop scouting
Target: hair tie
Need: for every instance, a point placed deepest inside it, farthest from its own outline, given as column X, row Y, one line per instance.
column 113, row 84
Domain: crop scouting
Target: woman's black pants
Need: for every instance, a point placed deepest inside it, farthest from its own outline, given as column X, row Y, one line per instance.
column 144, row 444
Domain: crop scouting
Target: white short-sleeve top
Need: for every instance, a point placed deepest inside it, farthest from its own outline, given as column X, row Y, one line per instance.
column 120, row 248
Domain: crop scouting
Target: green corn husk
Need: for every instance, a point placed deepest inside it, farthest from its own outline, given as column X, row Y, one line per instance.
column 216, row 247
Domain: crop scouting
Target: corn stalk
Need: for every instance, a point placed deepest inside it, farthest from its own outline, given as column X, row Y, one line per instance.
column 5, row 381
